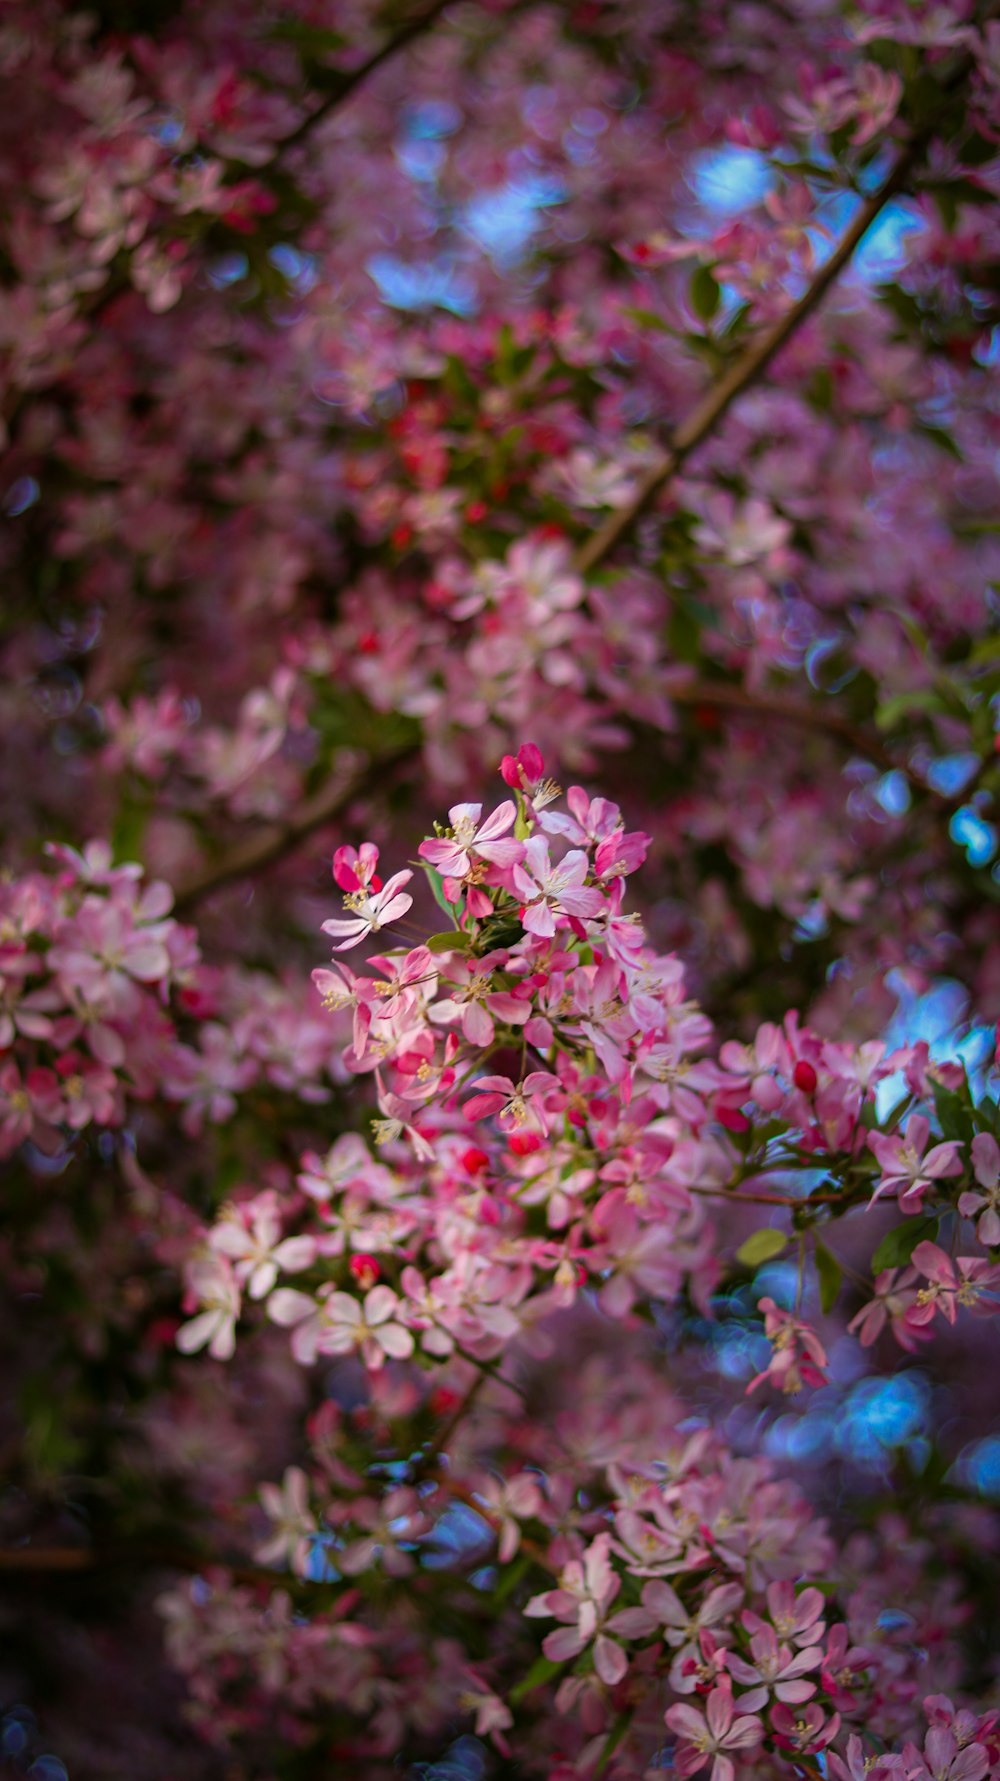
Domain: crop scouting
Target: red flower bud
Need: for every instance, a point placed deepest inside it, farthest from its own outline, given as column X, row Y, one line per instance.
column 365, row 1270
column 805, row 1077
column 524, row 1143
column 474, row 1161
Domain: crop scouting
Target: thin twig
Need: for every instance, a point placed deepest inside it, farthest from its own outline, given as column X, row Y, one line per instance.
column 64, row 1561
column 353, row 80
column 746, row 370
column 440, row 1442
column 737, row 1197
column 269, row 844
column 767, row 704
column 261, row 850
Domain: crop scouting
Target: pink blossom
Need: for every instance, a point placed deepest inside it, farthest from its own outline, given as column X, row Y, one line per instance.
column 548, row 891
column 804, row 1730
column 894, row 1298
column 211, row 1284
column 473, row 1004
column 370, row 913
column 584, row 1595
column 967, row 1281
column 356, row 869
column 453, row 856
column 251, row 1237
column 798, row 1354
column 509, row 1502
column 986, row 1169
column 775, row 1670
column 906, row 1169
column 712, row 1734
column 336, row 1323
column 287, row 1507
column 514, row 1107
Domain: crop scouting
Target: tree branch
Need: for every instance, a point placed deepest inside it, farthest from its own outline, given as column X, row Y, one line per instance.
column 261, row 850
column 728, row 697
column 266, row 845
column 351, row 82
column 746, row 370
column 74, row 1561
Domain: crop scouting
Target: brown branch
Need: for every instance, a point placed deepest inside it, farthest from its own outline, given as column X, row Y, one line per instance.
column 351, row 82
column 66, row 1561
column 266, row 845
column 272, row 843
column 790, row 711
column 746, row 370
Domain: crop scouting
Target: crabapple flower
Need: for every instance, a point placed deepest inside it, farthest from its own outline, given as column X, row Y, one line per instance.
column 211, row 1282
column 968, row 1281
column 251, row 1237
column 453, row 856
column 798, row 1354
column 396, row 1123
column 510, row 1501
column 682, row 1627
column 585, row 1593
column 355, row 869
column 474, row 1005
column 588, row 822
column 895, row 1296
column 337, row 1324
column 797, row 1618
column 805, row 1731
column 908, row 1168
column 523, row 770
column 287, row 1506
column 986, row 1168
column 514, row 1107
column 714, row 1733
column 391, row 1522
column 776, row 1670
column 856, row 1766
column 843, row 1668
column 493, row 1718
column 370, row 913
column 548, row 891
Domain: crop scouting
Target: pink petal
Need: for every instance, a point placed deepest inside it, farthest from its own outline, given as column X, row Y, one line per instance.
column 610, row 1661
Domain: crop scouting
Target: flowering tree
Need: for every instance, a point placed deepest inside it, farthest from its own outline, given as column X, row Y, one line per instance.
column 544, row 1327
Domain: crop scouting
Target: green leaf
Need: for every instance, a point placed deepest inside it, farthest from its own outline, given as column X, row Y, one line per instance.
column 436, row 883
column 888, row 715
column 954, row 1113
column 762, row 1246
column 830, row 1276
column 541, row 1671
column 898, row 1245
column 648, row 318
column 704, row 294
column 312, row 40
column 941, row 437
column 452, row 942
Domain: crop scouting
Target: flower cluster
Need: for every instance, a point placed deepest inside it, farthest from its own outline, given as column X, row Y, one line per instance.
column 104, row 998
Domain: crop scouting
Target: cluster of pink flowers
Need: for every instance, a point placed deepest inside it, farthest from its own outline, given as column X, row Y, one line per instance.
column 551, row 1133
column 98, row 983
column 536, row 1253
column 591, row 1160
